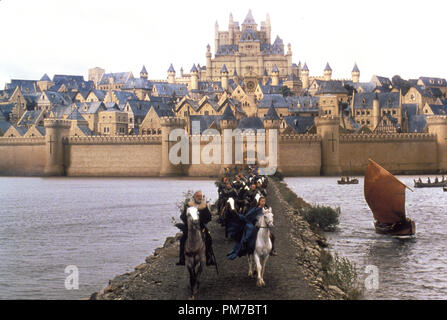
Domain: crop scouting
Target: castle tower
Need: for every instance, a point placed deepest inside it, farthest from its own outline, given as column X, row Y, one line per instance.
column 231, row 29
column 194, row 78
column 209, row 72
column 305, row 76
column 355, row 74
column 95, row 75
column 438, row 125
column 45, row 83
column 235, row 77
column 227, row 121
column 55, row 131
column 328, row 130
column 216, row 36
column 271, row 122
column 275, row 76
column 289, row 58
column 167, row 125
column 269, row 29
column 327, row 72
column 376, row 112
column 171, row 74
column 224, row 77
column 143, row 73
column 265, row 77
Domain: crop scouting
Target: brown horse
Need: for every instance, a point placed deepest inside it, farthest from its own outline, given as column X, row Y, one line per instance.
column 195, row 256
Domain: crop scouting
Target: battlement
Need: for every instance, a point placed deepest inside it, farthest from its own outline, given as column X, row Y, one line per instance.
column 22, row 141
column 172, row 122
column 396, row 137
column 57, row 123
column 433, row 120
column 113, row 140
column 300, row 138
column 327, row 120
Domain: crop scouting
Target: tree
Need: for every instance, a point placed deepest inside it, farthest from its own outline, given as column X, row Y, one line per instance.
column 285, row 91
column 401, row 84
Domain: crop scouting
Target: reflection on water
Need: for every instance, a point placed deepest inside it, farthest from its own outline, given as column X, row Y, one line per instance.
column 408, row 269
column 103, row 226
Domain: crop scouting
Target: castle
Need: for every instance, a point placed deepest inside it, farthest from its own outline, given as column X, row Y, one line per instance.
column 118, row 124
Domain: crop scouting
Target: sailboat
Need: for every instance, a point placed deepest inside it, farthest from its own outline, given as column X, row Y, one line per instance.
column 385, row 196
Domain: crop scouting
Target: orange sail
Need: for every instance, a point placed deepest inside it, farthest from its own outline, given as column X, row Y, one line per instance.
column 385, row 194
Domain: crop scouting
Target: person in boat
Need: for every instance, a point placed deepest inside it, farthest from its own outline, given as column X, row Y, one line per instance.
column 428, row 180
column 420, row 180
column 436, row 180
column 245, row 231
column 199, row 202
column 342, row 179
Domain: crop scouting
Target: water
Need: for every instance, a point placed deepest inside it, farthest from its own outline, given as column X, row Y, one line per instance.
column 411, row 269
column 104, row 227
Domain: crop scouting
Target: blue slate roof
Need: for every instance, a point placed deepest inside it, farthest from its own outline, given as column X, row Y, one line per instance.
column 273, row 100
column 171, row 68
column 75, row 115
column 90, row 107
column 300, row 124
column 61, row 110
column 249, row 35
column 118, row 78
column 25, row 86
column 328, row 67
column 71, row 82
column 56, row 98
column 356, row 69
column 45, row 77
column 194, row 68
column 417, row 123
column 271, row 114
column 249, row 19
column 250, row 123
column 169, row 89
column 137, row 83
column 4, row 126
column 331, row 87
column 438, row 109
column 227, row 50
column 433, row 82
column 6, row 109
column 143, row 70
column 228, row 114
column 124, row 96
column 275, row 68
column 29, row 117
column 305, row 68
column 224, row 69
column 162, row 111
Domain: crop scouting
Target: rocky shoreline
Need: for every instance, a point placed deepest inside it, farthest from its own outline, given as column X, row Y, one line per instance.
column 296, row 273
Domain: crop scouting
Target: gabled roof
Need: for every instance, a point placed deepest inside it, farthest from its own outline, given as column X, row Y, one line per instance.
column 300, row 124
column 228, row 114
column 118, row 78
column 249, row 19
column 45, row 77
column 75, row 115
column 250, row 123
column 275, row 68
column 273, row 100
column 194, row 68
column 271, row 114
column 224, row 69
column 25, row 86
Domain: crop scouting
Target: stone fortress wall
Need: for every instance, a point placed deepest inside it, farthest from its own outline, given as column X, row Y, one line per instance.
column 327, row 153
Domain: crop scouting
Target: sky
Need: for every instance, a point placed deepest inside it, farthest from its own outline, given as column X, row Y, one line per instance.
column 69, row 37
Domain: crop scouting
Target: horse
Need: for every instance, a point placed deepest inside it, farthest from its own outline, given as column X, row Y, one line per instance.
column 263, row 247
column 195, row 255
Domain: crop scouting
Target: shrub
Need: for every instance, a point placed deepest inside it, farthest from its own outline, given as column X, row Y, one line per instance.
column 323, row 217
column 340, row 272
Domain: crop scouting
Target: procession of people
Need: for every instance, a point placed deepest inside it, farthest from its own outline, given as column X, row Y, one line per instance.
column 248, row 191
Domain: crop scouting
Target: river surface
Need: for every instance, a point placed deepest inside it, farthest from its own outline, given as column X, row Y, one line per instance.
column 104, row 227
column 107, row 226
column 410, row 269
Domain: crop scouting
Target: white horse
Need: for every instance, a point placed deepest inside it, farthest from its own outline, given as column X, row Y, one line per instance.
column 195, row 257
column 263, row 246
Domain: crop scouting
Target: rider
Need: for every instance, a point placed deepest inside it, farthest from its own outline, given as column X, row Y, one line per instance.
column 204, row 216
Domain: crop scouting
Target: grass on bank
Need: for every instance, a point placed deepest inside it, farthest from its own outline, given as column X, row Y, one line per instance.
column 337, row 271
